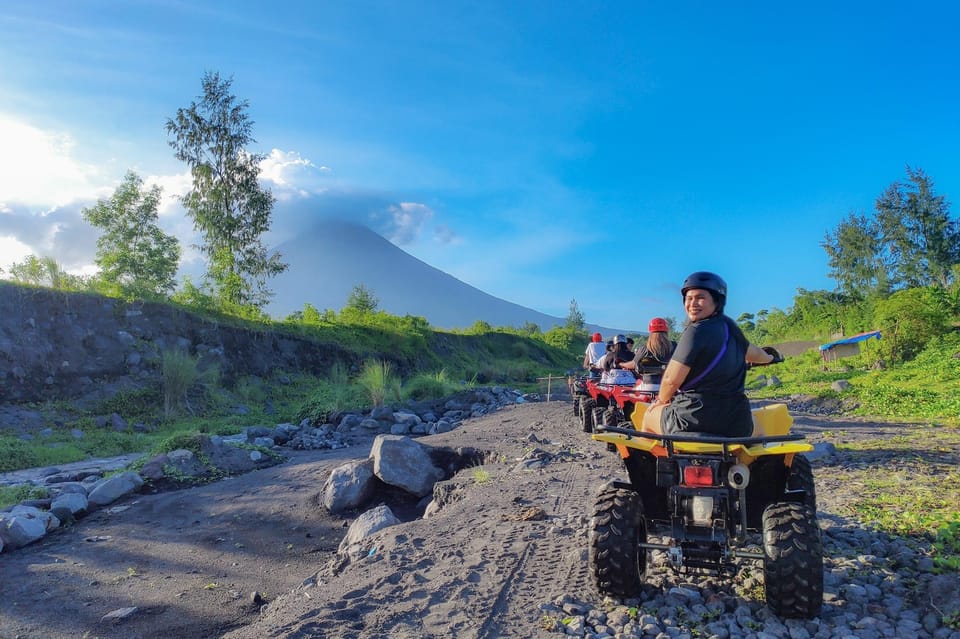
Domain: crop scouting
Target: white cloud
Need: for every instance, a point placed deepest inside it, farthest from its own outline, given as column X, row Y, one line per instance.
column 174, row 186
column 443, row 234
column 12, row 250
column 292, row 175
column 407, row 219
column 37, row 167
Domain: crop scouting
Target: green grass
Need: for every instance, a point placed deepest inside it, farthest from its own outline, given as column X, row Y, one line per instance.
column 425, row 386
column 921, row 390
column 918, row 495
column 10, row 495
column 481, row 475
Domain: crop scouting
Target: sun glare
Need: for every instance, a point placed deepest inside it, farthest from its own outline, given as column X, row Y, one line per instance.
column 37, row 167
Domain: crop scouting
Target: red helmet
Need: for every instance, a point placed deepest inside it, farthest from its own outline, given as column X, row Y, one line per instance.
column 658, row 325
column 597, row 337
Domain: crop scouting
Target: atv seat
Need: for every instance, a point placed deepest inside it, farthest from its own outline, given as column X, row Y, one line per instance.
column 770, row 420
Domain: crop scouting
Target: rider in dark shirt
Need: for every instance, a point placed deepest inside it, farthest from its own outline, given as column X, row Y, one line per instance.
column 703, row 387
column 614, row 364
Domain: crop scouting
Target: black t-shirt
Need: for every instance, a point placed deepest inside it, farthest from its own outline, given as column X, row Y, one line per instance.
column 618, row 355
column 644, row 357
column 711, row 398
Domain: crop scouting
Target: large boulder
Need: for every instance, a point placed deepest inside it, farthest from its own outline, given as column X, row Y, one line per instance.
column 404, row 463
column 230, row 459
column 367, row 524
column 113, row 488
column 349, row 486
column 24, row 525
column 68, row 505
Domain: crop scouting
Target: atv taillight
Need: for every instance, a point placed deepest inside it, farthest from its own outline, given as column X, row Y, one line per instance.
column 698, row 476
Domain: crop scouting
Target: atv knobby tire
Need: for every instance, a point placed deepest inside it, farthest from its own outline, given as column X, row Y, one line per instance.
column 612, row 416
column 576, row 406
column 598, row 421
column 801, row 478
column 586, row 414
column 617, row 563
column 793, row 563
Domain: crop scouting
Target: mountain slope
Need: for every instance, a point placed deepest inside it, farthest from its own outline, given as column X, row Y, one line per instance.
column 333, row 257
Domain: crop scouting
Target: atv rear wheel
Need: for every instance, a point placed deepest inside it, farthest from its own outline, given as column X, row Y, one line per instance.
column 617, row 563
column 576, row 406
column 793, row 563
column 801, row 478
column 586, row 414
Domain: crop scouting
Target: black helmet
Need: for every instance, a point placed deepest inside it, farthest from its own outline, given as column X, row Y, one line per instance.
column 707, row 281
column 619, row 339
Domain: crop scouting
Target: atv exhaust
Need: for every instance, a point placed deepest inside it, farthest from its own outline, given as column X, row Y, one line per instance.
column 738, row 476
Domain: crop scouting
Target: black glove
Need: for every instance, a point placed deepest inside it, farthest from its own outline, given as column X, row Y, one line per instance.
column 777, row 357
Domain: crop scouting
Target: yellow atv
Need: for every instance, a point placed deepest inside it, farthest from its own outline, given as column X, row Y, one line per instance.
column 704, row 497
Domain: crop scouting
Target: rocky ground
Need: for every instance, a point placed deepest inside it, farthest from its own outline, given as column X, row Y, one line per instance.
column 255, row 556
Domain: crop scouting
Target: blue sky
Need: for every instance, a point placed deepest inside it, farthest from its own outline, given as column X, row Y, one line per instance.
column 540, row 151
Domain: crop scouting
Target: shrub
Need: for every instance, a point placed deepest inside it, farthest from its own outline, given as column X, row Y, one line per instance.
column 428, row 386
column 910, row 319
column 16, row 454
column 181, row 374
column 379, row 381
column 181, row 440
column 321, row 402
column 134, row 403
column 250, row 389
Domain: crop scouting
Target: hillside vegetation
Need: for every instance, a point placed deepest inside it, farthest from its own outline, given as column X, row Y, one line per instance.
column 381, row 359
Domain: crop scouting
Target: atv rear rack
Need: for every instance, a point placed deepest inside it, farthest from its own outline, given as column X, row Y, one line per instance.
column 660, row 444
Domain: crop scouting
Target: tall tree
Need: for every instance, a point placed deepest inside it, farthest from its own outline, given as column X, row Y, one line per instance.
column 134, row 255
column 362, row 299
column 859, row 262
column 574, row 317
column 910, row 241
column 917, row 228
column 228, row 206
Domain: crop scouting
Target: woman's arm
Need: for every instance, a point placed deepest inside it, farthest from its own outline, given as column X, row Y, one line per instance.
column 672, row 380
column 756, row 355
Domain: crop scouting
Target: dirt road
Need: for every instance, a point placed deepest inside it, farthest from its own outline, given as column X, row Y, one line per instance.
column 202, row 562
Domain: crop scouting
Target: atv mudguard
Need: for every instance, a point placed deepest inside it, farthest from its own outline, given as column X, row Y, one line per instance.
column 771, row 425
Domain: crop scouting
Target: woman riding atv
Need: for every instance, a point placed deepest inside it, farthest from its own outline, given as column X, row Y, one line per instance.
column 614, row 371
column 702, row 389
column 595, row 351
column 654, row 354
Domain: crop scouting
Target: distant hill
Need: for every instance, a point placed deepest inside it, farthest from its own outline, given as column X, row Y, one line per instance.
column 327, row 261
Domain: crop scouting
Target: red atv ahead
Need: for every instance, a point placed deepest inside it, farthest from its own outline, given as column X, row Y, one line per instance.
column 596, row 399
column 613, row 403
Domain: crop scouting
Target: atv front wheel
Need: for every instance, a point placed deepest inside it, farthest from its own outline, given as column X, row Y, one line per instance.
column 586, row 414
column 598, row 421
column 793, row 563
column 613, row 416
column 801, row 478
column 617, row 563
column 576, row 406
